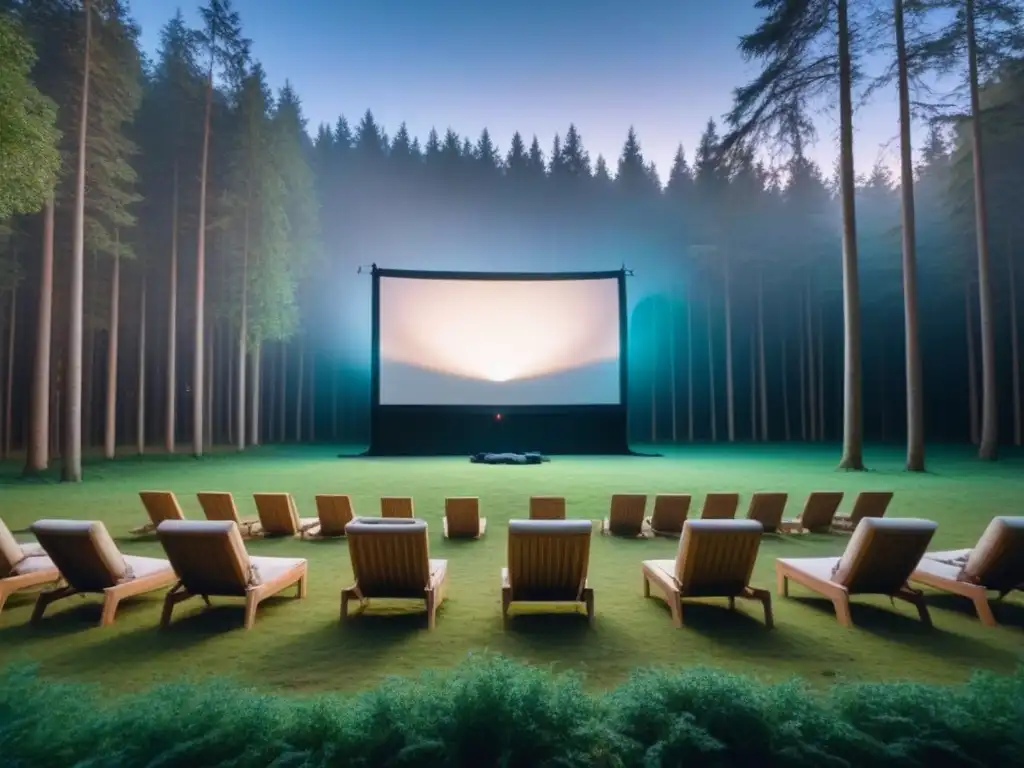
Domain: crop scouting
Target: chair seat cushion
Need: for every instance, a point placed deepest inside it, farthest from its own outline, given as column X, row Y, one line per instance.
column 817, row 567
column 33, row 563
column 939, row 569
column 269, row 568
column 140, row 567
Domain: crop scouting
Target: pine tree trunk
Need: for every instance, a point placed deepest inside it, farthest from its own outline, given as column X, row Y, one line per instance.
column 282, row 420
column 89, row 375
column 170, row 426
column 56, row 433
column 853, row 417
column 787, row 429
column 243, row 331
column 254, row 403
column 689, row 363
column 802, row 369
column 730, row 395
column 273, row 360
column 761, row 365
column 972, row 368
column 672, row 367
column 753, row 385
column 312, row 396
column 915, row 396
column 208, row 388
column 113, row 337
column 199, row 357
column 1014, row 346
column 37, row 457
column 821, row 374
column 654, row 371
column 140, row 416
column 711, row 375
column 812, row 399
column 298, row 392
column 988, row 445
column 71, row 471
column 12, row 324
column 335, row 380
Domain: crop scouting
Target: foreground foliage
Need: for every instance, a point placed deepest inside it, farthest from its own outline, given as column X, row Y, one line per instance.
column 493, row 711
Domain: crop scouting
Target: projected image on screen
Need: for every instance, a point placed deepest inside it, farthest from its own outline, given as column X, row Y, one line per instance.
column 499, row 342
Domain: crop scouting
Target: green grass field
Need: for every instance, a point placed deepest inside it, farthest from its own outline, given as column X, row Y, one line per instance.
column 302, row 646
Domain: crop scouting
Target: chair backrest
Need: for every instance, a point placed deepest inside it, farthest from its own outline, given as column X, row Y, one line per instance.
column 219, row 505
column 670, row 512
column 997, row 560
column 208, row 556
column 716, row 557
column 720, row 506
column 626, row 516
column 882, row 553
column 820, row 509
column 278, row 515
column 83, row 552
column 10, row 551
column 390, row 556
column 767, row 508
column 161, row 505
column 335, row 512
column 870, row 504
column 547, row 508
column 548, row 559
column 463, row 515
column 396, row 507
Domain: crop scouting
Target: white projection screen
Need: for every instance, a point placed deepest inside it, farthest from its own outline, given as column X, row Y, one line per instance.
column 498, row 342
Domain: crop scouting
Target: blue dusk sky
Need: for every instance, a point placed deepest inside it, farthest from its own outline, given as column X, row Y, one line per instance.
column 663, row 66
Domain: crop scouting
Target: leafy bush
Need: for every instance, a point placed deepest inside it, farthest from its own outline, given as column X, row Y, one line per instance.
column 491, row 711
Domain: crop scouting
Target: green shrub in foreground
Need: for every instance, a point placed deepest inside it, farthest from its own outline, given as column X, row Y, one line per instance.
column 491, row 711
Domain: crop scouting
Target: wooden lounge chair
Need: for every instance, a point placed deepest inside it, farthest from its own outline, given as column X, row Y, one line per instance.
column 160, row 506
column 547, row 564
column 90, row 563
column 767, row 509
column 547, row 508
column 715, row 559
column 462, row 518
column 670, row 512
column 867, row 504
column 279, row 516
column 391, row 560
column 996, row 564
column 720, row 506
column 211, row 559
column 396, row 507
column 220, row 506
column 334, row 512
column 878, row 561
column 626, row 516
column 817, row 515
column 22, row 566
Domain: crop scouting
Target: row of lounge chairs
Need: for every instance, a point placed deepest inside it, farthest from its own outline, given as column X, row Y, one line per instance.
column 548, row 562
column 278, row 513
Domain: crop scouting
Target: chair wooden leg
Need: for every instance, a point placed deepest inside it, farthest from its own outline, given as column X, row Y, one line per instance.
column 344, row 605
column 781, row 583
column 842, row 606
column 647, row 587
column 588, row 599
column 110, row 603
column 675, row 605
column 506, row 601
column 301, row 592
column 251, row 602
column 981, row 605
column 3, row 597
column 732, row 603
column 916, row 598
column 431, row 610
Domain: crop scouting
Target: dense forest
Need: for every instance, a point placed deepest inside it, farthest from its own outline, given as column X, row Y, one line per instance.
column 180, row 252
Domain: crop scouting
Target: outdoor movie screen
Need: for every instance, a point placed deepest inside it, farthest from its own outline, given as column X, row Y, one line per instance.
column 499, row 342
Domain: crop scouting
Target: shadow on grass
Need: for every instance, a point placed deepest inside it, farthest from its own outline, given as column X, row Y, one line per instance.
column 742, row 628
column 900, row 623
column 1008, row 613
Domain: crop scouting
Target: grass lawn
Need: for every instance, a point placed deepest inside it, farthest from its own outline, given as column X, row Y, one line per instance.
column 302, row 646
